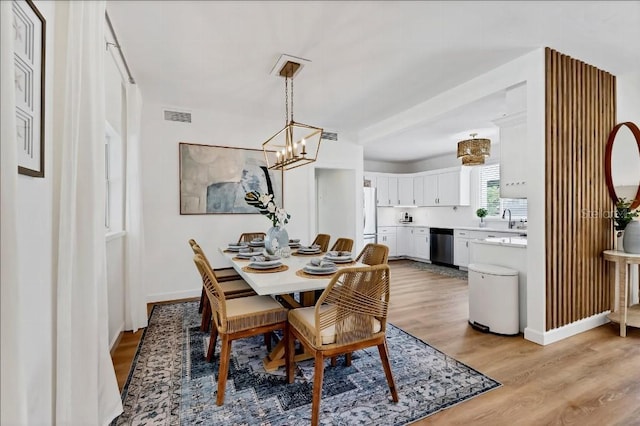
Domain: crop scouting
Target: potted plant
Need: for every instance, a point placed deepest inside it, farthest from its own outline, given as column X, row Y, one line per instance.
column 481, row 213
column 622, row 217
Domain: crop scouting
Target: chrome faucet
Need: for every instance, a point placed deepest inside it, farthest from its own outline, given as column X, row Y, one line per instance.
column 512, row 223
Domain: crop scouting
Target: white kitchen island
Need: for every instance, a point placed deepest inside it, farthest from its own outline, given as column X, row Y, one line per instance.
column 509, row 252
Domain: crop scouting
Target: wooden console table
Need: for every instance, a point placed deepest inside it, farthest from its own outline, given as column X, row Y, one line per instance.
column 625, row 315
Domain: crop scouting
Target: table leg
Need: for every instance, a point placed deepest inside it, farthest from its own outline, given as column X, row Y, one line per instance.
column 623, row 289
column 308, row 298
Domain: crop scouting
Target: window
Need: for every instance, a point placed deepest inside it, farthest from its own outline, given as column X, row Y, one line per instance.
column 490, row 195
column 114, row 191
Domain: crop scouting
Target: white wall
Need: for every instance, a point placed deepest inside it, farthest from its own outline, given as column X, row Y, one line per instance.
column 35, row 252
column 335, row 197
column 172, row 274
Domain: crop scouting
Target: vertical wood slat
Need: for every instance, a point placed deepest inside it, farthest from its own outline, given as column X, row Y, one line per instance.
column 580, row 112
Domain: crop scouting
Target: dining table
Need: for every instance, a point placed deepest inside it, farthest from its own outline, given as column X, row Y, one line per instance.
column 282, row 283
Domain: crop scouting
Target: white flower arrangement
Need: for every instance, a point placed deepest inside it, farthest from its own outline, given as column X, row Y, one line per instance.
column 265, row 204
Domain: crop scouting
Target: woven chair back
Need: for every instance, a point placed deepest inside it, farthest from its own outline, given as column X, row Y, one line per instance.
column 356, row 296
column 374, row 254
column 323, row 241
column 192, row 242
column 198, row 250
column 214, row 293
column 247, row 237
column 342, row 244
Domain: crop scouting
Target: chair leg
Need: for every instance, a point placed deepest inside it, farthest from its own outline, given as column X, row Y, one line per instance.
column 334, row 361
column 206, row 318
column 384, row 358
column 318, row 375
column 223, row 370
column 267, row 341
column 202, row 296
column 347, row 359
column 289, row 353
column 212, row 343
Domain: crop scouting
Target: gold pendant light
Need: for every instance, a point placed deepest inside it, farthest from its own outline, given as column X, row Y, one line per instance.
column 296, row 144
column 472, row 151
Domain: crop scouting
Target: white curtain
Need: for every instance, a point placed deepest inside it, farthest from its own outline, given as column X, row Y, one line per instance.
column 13, row 387
column 86, row 389
column 135, row 304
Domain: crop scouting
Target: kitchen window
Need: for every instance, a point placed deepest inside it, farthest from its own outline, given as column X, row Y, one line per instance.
column 490, row 195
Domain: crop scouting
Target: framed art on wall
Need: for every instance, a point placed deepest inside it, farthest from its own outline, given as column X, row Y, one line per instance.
column 29, row 33
column 215, row 179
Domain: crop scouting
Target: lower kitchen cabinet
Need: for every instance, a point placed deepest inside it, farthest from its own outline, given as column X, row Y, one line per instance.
column 421, row 245
column 387, row 236
column 404, row 242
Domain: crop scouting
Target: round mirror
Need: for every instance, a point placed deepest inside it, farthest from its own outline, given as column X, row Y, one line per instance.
column 622, row 163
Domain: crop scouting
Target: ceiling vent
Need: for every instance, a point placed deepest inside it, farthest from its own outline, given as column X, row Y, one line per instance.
column 329, row 136
column 182, row 117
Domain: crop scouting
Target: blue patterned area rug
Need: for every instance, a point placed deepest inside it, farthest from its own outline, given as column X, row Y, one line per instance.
column 170, row 382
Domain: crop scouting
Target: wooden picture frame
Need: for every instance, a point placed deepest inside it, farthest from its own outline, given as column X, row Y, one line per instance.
column 214, row 179
column 29, row 52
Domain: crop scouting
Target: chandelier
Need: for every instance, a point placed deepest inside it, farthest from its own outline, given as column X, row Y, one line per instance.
column 472, row 151
column 296, row 144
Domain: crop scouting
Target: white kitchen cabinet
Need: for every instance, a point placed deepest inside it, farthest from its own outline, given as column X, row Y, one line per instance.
column 447, row 188
column 421, row 245
column 404, row 240
column 461, row 247
column 387, row 236
column 387, row 190
column 418, row 190
column 405, row 191
column 513, row 151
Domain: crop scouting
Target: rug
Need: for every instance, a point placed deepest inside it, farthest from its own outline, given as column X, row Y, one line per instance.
column 170, row 383
column 441, row 270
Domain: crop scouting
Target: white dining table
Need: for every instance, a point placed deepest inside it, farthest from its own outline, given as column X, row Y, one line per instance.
column 283, row 284
column 274, row 283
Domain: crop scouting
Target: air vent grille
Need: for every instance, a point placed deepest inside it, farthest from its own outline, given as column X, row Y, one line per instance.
column 330, row 136
column 182, row 117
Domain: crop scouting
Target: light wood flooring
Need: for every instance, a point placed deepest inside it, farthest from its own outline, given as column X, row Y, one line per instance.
column 589, row 379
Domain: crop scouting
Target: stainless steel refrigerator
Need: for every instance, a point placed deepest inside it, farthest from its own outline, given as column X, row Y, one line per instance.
column 370, row 216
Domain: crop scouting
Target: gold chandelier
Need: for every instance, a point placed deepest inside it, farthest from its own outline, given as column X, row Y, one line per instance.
column 472, row 151
column 296, row 144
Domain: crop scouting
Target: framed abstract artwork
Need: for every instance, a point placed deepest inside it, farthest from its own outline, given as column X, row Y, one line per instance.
column 29, row 34
column 215, row 179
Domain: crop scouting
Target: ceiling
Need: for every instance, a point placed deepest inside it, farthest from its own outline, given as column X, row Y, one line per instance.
column 370, row 60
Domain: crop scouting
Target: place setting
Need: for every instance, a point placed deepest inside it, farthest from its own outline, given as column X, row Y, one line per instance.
column 312, row 250
column 236, row 247
column 317, row 268
column 265, row 263
column 341, row 257
column 257, row 242
column 294, row 243
column 246, row 253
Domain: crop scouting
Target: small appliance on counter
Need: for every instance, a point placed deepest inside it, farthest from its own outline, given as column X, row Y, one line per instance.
column 405, row 218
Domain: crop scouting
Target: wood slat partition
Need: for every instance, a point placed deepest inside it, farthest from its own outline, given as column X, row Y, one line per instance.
column 580, row 113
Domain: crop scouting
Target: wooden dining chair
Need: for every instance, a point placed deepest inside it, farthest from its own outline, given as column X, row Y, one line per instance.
column 232, row 289
column 247, row 237
column 351, row 314
column 342, row 244
column 323, row 241
column 374, row 254
column 235, row 319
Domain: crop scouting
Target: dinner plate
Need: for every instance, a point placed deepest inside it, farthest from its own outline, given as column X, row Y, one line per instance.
column 249, row 255
column 235, row 248
column 326, row 269
column 265, row 265
column 256, row 243
column 275, row 262
column 319, row 272
column 307, row 251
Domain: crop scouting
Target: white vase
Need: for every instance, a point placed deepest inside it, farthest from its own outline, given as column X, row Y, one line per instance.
column 276, row 239
column 631, row 239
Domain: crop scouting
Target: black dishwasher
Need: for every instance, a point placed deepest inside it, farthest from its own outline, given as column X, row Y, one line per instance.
column 441, row 246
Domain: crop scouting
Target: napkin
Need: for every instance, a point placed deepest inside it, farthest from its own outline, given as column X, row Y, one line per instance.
column 245, row 250
column 321, row 263
column 333, row 253
column 257, row 240
column 345, row 253
column 264, row 258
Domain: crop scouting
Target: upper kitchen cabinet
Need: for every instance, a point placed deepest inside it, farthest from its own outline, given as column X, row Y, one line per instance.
column 447, row 188
column 405, row 191
column 387, row 189
column 513, row 139
column 418, row 190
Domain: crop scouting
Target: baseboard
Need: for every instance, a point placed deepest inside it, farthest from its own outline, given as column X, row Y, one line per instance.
column 116, row 339
column 561, row 333
column 175, row 295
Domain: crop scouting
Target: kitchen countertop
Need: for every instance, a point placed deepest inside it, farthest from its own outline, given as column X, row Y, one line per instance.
column 469, row 228
column 519, row 242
